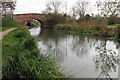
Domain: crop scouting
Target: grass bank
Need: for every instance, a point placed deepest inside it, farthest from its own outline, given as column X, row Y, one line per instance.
column 90, row 30
column 113, row 26
column 8, row 23
column 22, row 59
column 0, row 24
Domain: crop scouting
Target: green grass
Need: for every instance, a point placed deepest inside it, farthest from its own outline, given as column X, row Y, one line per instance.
column 0, row 24
column 22, row 58
column 88, row 30
column 0, row 58
column 76, row 29
column 113, row 26
column 8, row 23
column 73, row 32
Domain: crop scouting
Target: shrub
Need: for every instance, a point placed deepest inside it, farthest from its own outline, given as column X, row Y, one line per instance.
column 30, row 43
column 21, row 34
column 35, row 52
column 117, row 34
column 53, row 19
column 113, row 19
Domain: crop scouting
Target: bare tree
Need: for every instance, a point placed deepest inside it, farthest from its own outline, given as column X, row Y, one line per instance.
column 98, row 4
column 53, row 6
column 108, row 8
column 81, row 8
column 8, row 6
column 74, row 12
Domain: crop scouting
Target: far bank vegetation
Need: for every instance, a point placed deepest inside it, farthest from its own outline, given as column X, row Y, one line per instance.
column 105, row 23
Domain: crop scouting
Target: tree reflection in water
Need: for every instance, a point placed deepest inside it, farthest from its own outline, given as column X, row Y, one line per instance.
column 79, row 46
column 82, row 45
column 106, row 60
column 54, row 44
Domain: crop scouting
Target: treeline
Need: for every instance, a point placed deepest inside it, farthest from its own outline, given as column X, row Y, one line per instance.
column 53, row 19
column 105, row 23
column 107, row 13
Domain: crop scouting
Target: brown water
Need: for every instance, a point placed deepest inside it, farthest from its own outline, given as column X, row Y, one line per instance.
column 79, row 56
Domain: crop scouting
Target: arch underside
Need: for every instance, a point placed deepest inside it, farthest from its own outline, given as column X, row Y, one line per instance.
column 28, row 22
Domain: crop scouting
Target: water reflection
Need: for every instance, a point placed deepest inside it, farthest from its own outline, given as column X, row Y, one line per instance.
column 80, row 57
column 106, row 60
column 82, row 45
column 59, row 45
column 35, row 31
column 52, row 44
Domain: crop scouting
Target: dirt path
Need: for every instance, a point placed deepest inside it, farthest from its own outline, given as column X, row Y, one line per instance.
column 2, row 34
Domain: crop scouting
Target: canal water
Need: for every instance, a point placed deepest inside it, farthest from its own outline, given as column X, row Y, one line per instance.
column 79, row 56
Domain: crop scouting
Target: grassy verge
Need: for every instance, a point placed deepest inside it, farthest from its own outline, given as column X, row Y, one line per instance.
column 22, row 58
column 74, row 29
column 113, row 26
column 8, row 23
column 88, row 30
column 0, row 59
column 0, row 24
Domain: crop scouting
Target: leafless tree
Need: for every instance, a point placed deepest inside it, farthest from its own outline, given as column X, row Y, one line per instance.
column 108, row 8
column 8, row 6
column 81, row 8
column 53, row 6
column 74, row 12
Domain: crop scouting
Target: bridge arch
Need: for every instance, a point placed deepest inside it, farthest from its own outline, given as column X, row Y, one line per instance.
column 23, row 18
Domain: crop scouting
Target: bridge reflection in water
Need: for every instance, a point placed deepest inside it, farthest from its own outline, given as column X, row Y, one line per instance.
column 80, row 57
column 35, row 31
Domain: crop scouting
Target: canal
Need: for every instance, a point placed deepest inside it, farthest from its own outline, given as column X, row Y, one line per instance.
column 79, row 56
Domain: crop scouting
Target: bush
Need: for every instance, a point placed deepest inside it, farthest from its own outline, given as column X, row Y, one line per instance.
column 21, row 34
column 53, row 19
column 117, row 35
column 113, row 19
column 30, row 43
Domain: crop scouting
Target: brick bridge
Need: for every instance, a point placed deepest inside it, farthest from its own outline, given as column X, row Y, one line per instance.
column 23, row 18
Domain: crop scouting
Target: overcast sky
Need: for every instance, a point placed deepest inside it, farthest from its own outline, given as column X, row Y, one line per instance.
column 37, row 6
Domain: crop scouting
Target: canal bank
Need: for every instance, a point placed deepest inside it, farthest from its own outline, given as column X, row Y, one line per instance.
column 91, row 30
column 21, row 58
